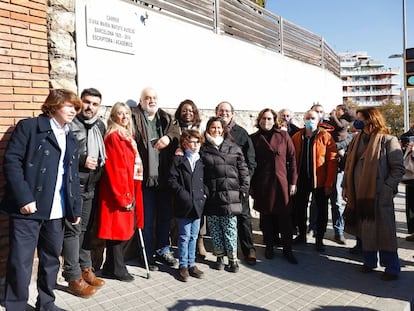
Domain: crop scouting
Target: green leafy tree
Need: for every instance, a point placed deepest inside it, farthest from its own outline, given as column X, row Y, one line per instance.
column 394, row 116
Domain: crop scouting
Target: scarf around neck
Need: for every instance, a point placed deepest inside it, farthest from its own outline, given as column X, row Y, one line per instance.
column 215, row 141
column 363, row 198
column 95, row 143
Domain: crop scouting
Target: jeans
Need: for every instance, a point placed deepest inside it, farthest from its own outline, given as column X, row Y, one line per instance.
column 157, row 218
column 187, row 239
column 389, row 260
column 337, row 206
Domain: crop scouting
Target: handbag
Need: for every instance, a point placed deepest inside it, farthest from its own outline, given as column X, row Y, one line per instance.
column 409, row 165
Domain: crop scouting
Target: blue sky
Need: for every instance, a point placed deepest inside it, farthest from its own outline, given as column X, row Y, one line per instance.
column 374, row 26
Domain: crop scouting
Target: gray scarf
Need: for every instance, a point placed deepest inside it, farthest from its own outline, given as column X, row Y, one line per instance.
column 153, row 156
column 96, row 147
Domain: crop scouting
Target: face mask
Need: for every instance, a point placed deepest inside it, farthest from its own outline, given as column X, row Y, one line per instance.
column 311, row 125
column 359, row 125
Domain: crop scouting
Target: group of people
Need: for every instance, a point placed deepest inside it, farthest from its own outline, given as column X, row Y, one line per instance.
column 70, row 181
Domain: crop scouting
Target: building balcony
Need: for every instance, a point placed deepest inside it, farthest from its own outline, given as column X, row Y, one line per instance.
column 370, row 82
column 369, row 72
column 359, row 93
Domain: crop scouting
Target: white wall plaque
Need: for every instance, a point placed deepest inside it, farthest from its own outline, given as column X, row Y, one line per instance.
column 111, row 28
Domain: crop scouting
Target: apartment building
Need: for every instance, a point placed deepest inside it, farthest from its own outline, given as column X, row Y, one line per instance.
column 367, row 82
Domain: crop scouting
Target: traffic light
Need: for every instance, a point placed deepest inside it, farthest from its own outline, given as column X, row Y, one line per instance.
column 409, row 68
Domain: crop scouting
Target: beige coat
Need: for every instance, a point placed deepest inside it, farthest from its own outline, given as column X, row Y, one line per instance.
column 380, row 233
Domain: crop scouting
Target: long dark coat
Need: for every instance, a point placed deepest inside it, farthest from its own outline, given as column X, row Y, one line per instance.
column 275, row 171
column 31, row 166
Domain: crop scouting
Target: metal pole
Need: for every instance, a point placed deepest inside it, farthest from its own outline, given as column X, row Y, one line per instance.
column 406, row 103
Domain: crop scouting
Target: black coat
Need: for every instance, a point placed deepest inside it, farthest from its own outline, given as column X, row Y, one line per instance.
column 31, row 165
column 187, row 187
column 226, row 176
column 242, row 139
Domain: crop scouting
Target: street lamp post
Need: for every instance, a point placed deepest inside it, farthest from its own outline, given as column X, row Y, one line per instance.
column 406, row 103
column 403, row 56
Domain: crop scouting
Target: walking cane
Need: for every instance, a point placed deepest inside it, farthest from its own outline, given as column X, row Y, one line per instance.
column 144, row 253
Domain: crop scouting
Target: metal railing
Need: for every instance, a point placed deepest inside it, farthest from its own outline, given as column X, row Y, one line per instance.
column 245, row 20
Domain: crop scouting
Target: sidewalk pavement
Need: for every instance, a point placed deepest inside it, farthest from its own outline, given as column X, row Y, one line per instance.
column 321, row 281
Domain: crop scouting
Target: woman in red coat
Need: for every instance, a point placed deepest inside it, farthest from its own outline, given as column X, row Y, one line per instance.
column 273, row 182
column 120, row 195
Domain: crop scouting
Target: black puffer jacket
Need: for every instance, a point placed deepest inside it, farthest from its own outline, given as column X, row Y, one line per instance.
column 226, row 176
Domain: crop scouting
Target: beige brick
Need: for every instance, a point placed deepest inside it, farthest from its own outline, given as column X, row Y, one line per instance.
column 33, row 91
column 28, row 18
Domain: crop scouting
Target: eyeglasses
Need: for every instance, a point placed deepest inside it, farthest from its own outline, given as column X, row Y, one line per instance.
column 194, row 142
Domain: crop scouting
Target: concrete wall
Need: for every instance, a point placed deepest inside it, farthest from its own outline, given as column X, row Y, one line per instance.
column 185, row 61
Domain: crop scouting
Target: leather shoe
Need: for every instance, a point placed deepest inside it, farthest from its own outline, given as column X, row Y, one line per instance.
column 366, row 269
column 89, row 276
column 290, row 257
column 81, row 288
column 269, row 253
column 389, row 277
column 340, row 239
column 410, row 238
column 319, row 245
column 233, row 266
column 251, row 259
column 219, row 265
column 300, row 239
column 183, row 274
column 126, row 277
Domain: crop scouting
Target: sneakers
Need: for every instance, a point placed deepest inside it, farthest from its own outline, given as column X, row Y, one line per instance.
column 219, row 265
column 340, row 239
column 167, row 259
column 233, row 266
column 195, row 272
column 183, row 274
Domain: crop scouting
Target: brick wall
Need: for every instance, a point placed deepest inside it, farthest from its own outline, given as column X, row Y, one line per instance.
column 24, row 79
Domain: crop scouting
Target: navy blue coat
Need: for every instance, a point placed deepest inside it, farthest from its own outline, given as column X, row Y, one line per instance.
column 187, row 187
column 31, row 165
